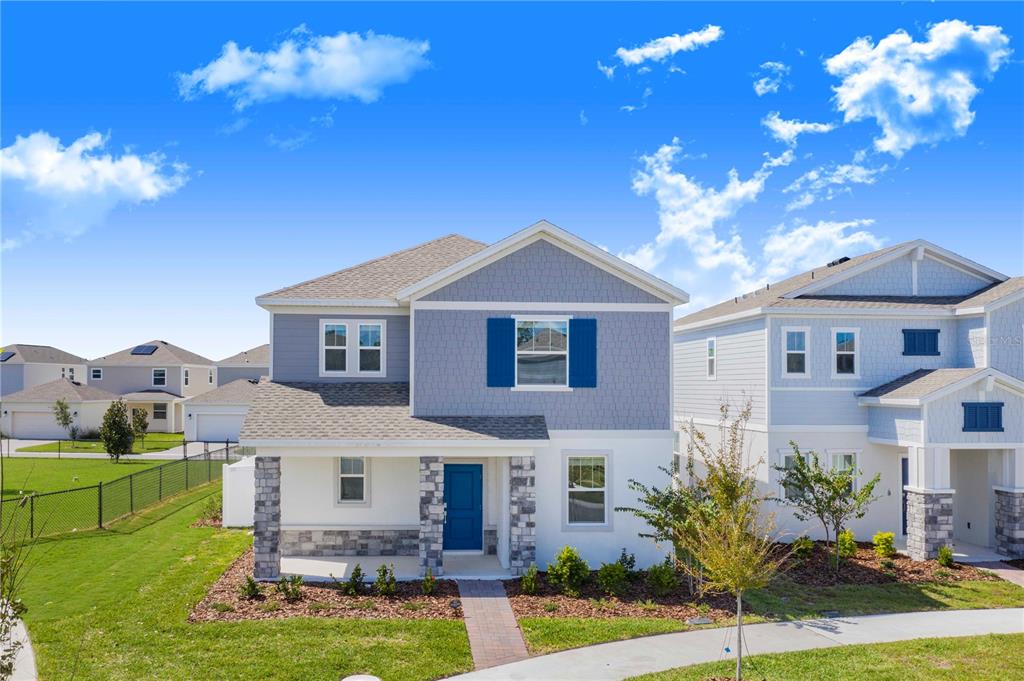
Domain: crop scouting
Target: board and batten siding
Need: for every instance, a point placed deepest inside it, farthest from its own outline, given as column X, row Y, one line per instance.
column 740, row 374
column 296, row 348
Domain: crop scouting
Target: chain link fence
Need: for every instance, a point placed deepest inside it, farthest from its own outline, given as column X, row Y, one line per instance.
column 87, row 508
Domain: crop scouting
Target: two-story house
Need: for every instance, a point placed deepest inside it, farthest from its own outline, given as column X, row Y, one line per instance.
column 461, row 407
column 156, row 376
column 906, row 362
column 252, row 364
column 24, row 366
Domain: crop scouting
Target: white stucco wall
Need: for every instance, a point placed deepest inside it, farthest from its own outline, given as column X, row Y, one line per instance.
column 90, row 414
column 239, row 493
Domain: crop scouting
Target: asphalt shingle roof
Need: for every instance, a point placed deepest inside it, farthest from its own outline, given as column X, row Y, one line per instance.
column 920, row 383
column 384, row 277
column 148, row 395
column 257, row 356
column 235, row 392
column 166, row 354
column 61, row 389
column 40, row 354
column 368, row 411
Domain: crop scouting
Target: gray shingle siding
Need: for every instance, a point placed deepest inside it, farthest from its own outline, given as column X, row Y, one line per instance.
column 937, row 279
column 946, row 417
column 296, row 348
column 895, row 423
column 891, row 279
column 1006, row 339
column 12, row 378
column 633, row 387
column 970, row 341
column 542, row 273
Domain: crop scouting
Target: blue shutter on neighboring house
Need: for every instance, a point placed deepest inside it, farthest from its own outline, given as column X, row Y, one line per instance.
column 921, row 342
column 583, row 353
column 501, row 352
column 983, row 417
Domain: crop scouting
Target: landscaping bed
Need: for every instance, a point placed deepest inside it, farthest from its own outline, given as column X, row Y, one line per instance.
column 224, row 601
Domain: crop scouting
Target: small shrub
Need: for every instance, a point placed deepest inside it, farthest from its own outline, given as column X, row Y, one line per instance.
column 354, row 585
column 319, row 607
column 250, row 590
column 429, row 583
column 648, row 605
column 703, row 608
column 847, row 544
column 385, row 584
column 222, row 607
column 270, row 606
column 803, row 548
column 613, row 578
column 528, row 582
column 569, row 572
column 89, row 434
column 412, row 606
column 885, row 544
column 364, row 605
column 550, row 607
column 213, row 509
column 661, row 579
column 943, row 573
column 290, row 588
column 945, row 557
column 603, row 603
column 888, row 564
column 628, row 561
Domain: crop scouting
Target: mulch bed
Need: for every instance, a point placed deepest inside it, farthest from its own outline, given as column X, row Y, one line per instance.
column 224, row 603
column 206, row 522
column 866, row 568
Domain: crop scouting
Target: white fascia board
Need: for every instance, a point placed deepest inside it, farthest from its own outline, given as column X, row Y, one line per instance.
column 269, row 303
column 716, row 321
column 1006, row 381
column 888, row 402
column 559, row 237
column 337, row 309
column 382, row 444
column 993, row 305
column 858, row 312
column 539, row 307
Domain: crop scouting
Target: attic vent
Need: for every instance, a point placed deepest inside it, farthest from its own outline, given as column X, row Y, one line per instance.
column 143, row 349
column 838, row 261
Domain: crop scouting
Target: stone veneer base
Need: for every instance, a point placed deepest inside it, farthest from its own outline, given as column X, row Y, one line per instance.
column 266, row 535
column 522, row 544
column 431, row 535
column 1010, row 523
column 929, row 523
column 350, row 542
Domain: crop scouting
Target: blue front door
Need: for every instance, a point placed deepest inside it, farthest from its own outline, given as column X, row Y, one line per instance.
column 464, row 507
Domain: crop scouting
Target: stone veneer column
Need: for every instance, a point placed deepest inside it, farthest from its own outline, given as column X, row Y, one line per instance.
column 929, row 523
column 1010, row 523
column 266, row 538
column 522, row 541
column 432, row 515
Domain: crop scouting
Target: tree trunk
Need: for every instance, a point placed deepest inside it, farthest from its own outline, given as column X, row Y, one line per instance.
column 739, row 635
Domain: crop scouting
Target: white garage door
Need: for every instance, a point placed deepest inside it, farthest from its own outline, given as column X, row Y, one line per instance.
column 218, row 427
column 31, row 425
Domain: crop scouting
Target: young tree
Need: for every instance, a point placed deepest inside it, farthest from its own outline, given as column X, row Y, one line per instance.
column 62, row 415
column 735, row 541
column 116, row 431
column 825, row 493
column 140, row 423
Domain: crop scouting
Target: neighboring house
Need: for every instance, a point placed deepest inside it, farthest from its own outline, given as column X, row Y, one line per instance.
column 460, row 398
column 156, row 376
column 28, row 414
column 217, row 415
column 906, row 362
column 253, row 364
column 25, row 366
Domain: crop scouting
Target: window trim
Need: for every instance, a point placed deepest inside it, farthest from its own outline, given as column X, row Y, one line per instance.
column 840, row 451
column 806, row 330
column 210, row 379
column 1000, row 429
column 607, row 525
column 93, row 374
column 153, row 375
column 365, row 501
column 185, row 376
column 856, row 352
column 166, row 410
column 711, row 344
column 545, row 387
column 784, row 453
column 938, row 351
column 352, row 361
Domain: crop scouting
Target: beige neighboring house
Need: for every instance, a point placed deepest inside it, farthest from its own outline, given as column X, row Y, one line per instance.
column 252, row 364
column 156, row 376
column 28, row 414
column 24, row 366
column 217, row 416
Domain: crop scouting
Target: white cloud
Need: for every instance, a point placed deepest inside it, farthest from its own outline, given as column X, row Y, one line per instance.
column 804, row 246
column 630, row 108
column 341, row 66
column 235, row 126
column 788, row 130
column 326, row 120
column 53, row 190
column 826, row 182
column 291, row 143
column 661, row 49
column 608, row 71
column 771, row 74
column 917, row 92
column 583, row 117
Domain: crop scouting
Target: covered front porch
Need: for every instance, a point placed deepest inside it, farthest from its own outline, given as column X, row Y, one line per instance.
column 163, row 409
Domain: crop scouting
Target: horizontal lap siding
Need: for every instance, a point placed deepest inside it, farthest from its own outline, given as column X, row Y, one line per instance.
column 817, row 408
column 296, row 348
column 124, row 379
column 740, row 371
column 226, row 375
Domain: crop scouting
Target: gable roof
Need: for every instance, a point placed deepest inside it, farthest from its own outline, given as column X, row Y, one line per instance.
column 235, row 392
column 1013, row 285
column 166, row 354
column 257, row 356
column 61, row 389
column 924, row 385
column 377, row 281
column 40, row 354
column 561, row 238
column 798, row 291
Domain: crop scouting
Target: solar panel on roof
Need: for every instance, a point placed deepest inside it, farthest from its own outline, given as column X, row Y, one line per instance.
column 4, row 356
column 143, row 349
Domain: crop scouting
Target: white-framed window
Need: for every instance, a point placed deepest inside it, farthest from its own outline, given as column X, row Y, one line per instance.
column 789, row 461
column 351, row 479
column 371, row 349
column 159, row 376
column 712, row 358
column 159, row 412
column 542, row 352
column 845, row 353
column 186, row 377
column 68, row 373
column 96, row 374
column 366, row 338
column 795, row 351
column 586, row 496
column 844, row 460
column 209, row 377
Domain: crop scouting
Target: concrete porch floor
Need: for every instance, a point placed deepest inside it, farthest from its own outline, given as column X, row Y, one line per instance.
column 964, row 552
column 320, row 569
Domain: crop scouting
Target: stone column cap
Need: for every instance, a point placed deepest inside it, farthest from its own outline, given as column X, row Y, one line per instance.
column 927, row 490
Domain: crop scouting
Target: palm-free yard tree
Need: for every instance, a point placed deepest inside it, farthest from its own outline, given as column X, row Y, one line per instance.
column 140, row 423
column 64, row 418
column 116, row 431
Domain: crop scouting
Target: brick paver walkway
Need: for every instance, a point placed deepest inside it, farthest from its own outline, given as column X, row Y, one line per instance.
column 494, row 635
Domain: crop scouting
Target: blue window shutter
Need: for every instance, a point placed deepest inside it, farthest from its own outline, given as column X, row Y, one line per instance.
column 921, row 342
column 501, row 352
column 583, row 353
column 983, row 417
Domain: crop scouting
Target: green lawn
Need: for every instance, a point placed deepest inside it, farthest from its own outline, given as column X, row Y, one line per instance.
column 114, row 604
column 23, row 475
column 974, row 657
column 155, row 442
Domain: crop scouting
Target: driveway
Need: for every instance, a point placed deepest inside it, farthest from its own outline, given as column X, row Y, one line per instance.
column 167, row 454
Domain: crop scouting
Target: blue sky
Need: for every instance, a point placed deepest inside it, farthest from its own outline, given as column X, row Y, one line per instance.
column 162, row 181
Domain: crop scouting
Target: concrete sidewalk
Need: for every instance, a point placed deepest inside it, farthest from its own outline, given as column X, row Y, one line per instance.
column 624, row 659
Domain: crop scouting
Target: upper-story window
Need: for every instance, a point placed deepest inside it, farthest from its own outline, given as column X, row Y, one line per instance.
column 794, row 351
column 159, row 376
column 983, row 417
column 712, row 358
column 845, row 351
column 209, row 377
column 186, row 377
column 542, row 352
column 921, row 342
column 367, row 339
column 67, row 372
column 96, row 374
